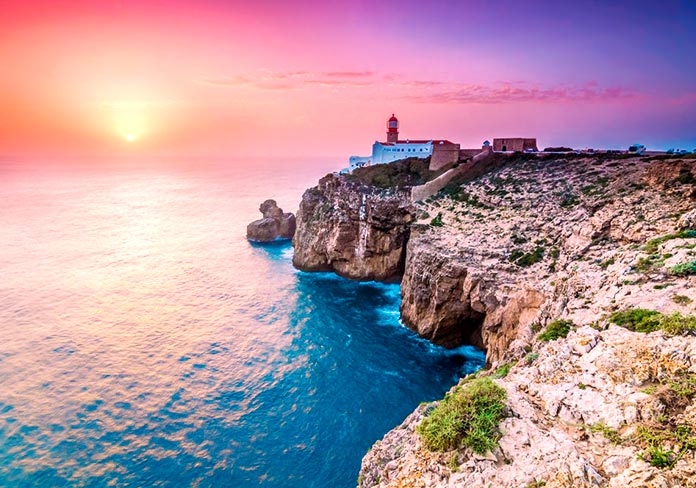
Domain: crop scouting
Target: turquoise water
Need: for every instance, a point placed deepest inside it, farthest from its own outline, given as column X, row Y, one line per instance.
column 145, row 342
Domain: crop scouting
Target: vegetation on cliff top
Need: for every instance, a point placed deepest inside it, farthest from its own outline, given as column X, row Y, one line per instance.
column 398, row 174
column 643, row 320
column 556, row 330
column 467, row 417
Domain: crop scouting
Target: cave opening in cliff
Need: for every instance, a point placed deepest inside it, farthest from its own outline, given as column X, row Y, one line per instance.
column 460, row 330
column 471, row 329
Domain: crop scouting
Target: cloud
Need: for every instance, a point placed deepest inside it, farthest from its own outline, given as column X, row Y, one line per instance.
column 428, row 91
column 281, row 80
column 520, row 92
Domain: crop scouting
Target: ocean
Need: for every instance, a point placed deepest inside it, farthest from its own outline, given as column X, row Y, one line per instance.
column 145, row 342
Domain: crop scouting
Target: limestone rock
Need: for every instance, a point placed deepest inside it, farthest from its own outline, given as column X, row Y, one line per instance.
column 356, row 231
column 547, row 437
column 287, row 225
column 688, row 220
column 263, row 230
column 274, row 225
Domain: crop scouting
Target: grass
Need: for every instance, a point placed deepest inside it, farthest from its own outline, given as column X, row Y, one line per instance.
column 653, row 245
column 646, row 321
column 454, row 463
column 681, row 299
column 437, row 221
column 530, row 358
column 608, row 432
column 503, row 370
column 655, row 437
column 556, row 330
column 645, row 264
column 467, row 417
column 526, row 259
column 684, row 269
column 667, row 440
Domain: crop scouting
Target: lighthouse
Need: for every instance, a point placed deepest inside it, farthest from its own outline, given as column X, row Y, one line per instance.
column 440, row 151
column 393, row 130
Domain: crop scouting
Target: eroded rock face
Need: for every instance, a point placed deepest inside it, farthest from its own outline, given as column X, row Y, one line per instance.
column 515, row 250
column 555, row 402
column 452, row 301
column 356, row 231
column 540, row 241
column 274, row 225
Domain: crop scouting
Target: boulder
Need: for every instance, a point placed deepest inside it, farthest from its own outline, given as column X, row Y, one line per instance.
column 270, row 209
column 263, row 230
column 688, row 220
column 275, row 224
column 287, row 225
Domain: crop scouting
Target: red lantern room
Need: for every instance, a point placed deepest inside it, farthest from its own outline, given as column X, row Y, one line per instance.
column 392, row 129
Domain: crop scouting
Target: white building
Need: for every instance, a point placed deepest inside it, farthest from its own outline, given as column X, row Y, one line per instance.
column 393, row 149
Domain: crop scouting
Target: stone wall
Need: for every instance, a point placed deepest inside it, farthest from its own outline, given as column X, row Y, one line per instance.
column 443, row 154
column 514, row 144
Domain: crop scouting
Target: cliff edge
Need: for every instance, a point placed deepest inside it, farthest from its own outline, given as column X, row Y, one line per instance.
column 538, row 242
column 357, row 231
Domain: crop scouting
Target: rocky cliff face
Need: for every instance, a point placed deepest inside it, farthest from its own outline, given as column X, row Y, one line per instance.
column 493, row 261
column 539, row 240
column 582, row 412
column 357, row 231
column 574, row 240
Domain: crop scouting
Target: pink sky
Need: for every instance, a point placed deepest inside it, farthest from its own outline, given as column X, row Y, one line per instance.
column 321, row 78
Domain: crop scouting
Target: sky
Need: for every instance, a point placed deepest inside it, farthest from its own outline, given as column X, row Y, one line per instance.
column 294, row 78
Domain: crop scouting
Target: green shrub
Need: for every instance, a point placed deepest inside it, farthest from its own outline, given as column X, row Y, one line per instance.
column 437, row 221
column 653, row 244
column 468, row 417
column 530, row 358
column 678, row 324
column 681, row 299
column 646, row 264
column 637, row 319
column 606, row 431
column 643, row 320
column 659, row 457
column 684, row 269
column 525, row 259
column 556, row 330
column 503, row 370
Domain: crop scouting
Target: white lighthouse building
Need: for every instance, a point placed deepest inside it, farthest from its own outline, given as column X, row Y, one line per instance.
column 394, row 149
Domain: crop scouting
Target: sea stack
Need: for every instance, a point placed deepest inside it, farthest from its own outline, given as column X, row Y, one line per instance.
column 275, row 224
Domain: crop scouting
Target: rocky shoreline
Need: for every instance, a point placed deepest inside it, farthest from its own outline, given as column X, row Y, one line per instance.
column 492, row 260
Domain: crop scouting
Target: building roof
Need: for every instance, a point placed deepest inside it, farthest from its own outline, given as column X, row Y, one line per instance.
column 392, row 118
column 418, row 141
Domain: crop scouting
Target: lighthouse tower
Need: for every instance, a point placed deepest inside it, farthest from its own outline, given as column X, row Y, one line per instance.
column 393, row 129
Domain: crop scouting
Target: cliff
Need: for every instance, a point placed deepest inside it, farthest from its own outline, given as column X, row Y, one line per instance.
column 610, row 408
column 355, row 230
column 542, row 239
column 493, row 259
column 579, row 240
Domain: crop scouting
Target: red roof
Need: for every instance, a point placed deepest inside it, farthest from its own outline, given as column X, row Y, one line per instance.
column 418, row 141
column 392, row 118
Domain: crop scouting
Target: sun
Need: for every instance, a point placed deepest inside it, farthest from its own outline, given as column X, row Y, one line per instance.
column 130, row 137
